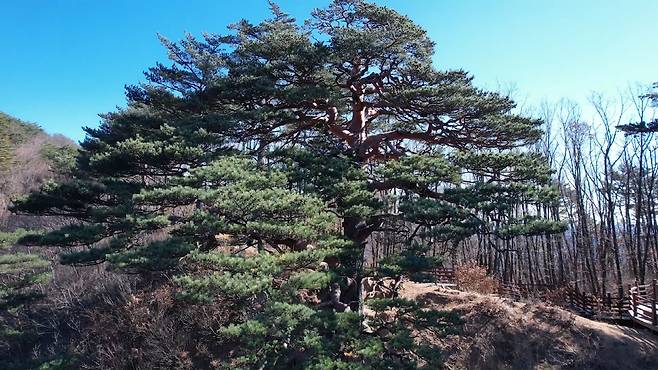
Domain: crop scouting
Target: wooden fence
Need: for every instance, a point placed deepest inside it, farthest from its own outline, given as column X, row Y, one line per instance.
column 609, row 307
column 644, row 304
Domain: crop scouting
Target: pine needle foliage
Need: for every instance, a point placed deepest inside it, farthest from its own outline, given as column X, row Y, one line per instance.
column 254, row 167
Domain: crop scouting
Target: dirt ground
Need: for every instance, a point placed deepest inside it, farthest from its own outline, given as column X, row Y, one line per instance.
column 502, row 334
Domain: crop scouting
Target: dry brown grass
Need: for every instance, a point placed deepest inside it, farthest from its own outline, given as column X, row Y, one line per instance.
column 500, row 333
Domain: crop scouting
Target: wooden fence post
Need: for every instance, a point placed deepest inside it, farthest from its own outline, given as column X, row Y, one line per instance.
column 621, row 302
column 634, row 301
column 630, row 297
column 654, row 319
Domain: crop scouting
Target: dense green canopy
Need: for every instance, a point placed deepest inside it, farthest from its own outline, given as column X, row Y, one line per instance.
column 256, row 159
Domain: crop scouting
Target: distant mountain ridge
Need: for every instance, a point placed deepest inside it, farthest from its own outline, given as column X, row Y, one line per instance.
column 19, row 131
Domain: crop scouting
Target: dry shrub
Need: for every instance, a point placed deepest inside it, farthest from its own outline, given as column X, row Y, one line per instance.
column 142, row 326
column 556, row 296
column 105, row 320
column 473, row 277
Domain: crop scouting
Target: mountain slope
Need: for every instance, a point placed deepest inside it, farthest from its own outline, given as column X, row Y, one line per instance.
column 28, row 158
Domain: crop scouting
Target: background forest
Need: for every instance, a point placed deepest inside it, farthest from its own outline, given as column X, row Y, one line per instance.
column 602, row 167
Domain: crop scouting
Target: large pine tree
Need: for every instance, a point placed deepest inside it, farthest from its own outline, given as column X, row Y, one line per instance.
column 257, row 165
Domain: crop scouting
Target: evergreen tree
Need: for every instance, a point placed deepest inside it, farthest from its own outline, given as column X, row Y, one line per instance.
column 297, row 150
column 18, row 131
column 19, row 273
column 6, row 149
column 643, row 127
column 20, row 276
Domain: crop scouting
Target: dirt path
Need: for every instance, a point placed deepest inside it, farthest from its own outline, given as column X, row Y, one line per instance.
column 502, row 334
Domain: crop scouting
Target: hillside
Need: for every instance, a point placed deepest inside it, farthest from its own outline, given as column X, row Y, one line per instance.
column 28, row 158
column 503, row 334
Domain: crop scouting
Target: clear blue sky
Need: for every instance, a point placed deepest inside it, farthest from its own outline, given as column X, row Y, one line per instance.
column 63, row 62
